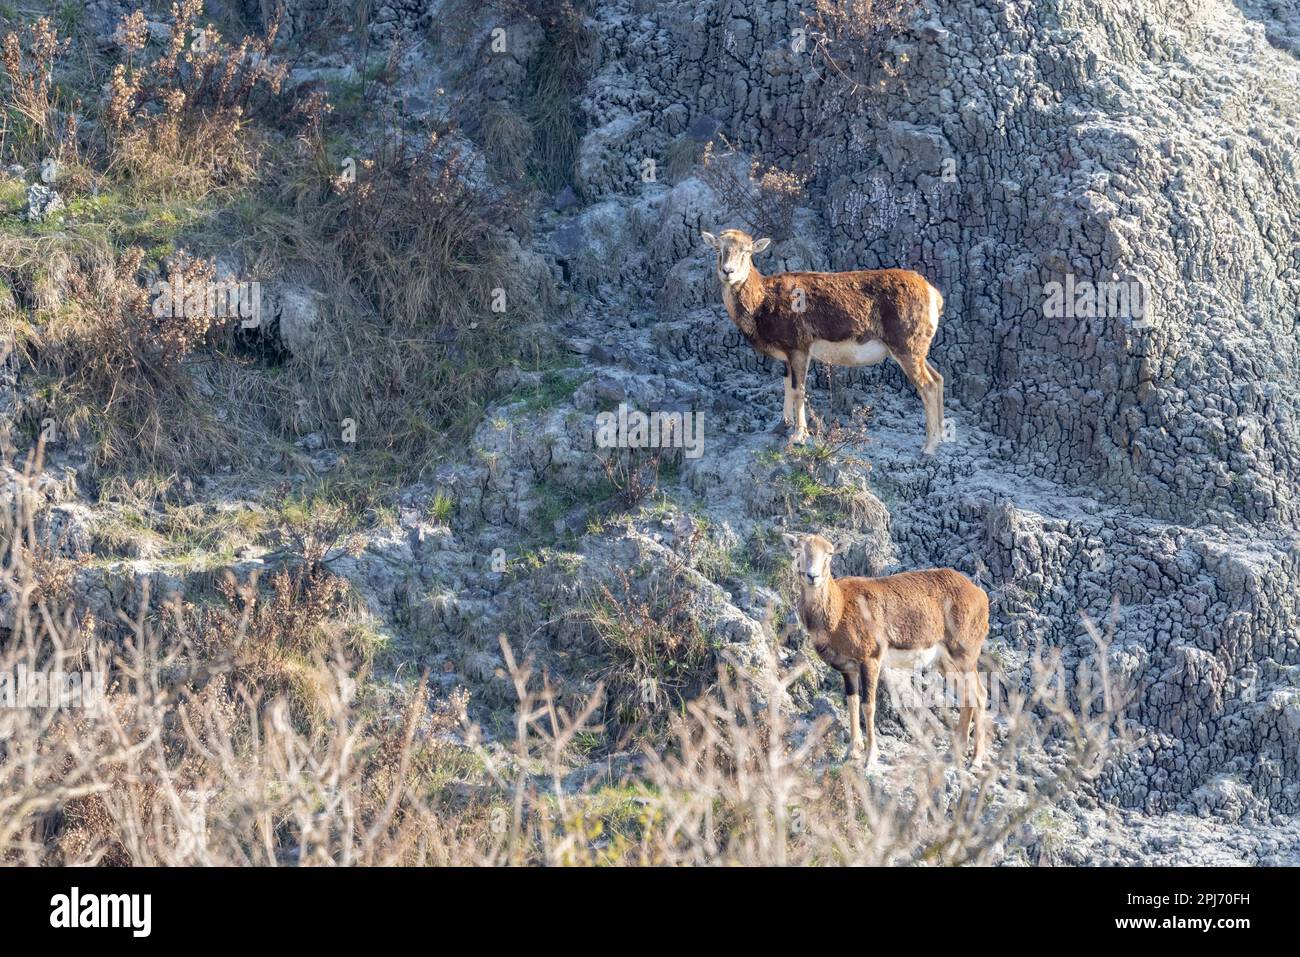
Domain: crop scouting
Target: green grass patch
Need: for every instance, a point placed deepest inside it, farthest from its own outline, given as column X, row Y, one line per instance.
column 554, row 386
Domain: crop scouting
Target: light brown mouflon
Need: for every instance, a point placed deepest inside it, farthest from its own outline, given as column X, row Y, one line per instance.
column 859, row 625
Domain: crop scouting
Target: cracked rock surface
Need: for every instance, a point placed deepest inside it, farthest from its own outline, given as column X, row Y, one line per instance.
column 1098, row 459
column 1147, row 459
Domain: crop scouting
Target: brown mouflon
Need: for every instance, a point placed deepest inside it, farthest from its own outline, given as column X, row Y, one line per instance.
column 854, row 318
column 859, row 625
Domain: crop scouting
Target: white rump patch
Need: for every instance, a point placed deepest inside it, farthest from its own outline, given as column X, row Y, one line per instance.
column 850, row 353
column 934, row 309
column 908, row 659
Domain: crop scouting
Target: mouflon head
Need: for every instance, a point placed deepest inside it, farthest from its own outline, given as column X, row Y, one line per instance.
column 812, row 558
column 736, row 251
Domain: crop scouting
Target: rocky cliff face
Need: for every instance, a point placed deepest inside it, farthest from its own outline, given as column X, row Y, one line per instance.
column 1100, row 456
column 1150, row 456
column 1023, row 143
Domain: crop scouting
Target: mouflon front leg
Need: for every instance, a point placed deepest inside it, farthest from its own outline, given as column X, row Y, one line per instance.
column 853, row 699
column 787, row 409
column 798, row 382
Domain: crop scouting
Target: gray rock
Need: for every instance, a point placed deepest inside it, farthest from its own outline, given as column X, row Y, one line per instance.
column 300, row 318
column 565, row 200
column 42, row 202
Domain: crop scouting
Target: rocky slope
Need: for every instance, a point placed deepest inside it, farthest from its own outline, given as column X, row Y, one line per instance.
column 1150, row 460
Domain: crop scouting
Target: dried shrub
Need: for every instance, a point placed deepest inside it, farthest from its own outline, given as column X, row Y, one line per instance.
column 658, row 654
column 414, row 257
column 316, row 528
column 850, row 36
column 507, row 140
column 555, row 78
column 272, row 641
column 765, row 197
column 34, row 124
column 632, row 475
column 112, row 348
column 176, row 121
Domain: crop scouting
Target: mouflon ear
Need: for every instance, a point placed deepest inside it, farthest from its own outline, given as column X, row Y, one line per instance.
column 793, row 541
column 761, row 245
column 709, row 239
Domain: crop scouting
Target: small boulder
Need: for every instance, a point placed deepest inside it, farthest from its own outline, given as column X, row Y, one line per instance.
column 565, row 199
column 42, row 202
column 300, row 319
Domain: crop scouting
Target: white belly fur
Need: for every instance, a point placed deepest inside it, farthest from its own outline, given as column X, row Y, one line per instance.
column 908, row 660
column 850, row 353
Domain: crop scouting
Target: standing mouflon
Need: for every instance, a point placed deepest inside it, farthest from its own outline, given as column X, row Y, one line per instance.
column 859, row 625
column 855, row 318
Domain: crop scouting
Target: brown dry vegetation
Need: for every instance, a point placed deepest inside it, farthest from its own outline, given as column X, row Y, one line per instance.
column 194, row 149
column 114, row 368
column 240, row 723
column 236, row 735
column 189, row 103
column 36, row 123
column 764, row 196
column 850, row 38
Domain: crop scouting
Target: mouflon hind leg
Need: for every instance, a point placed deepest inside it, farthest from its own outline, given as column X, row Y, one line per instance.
column 930, row 389
column 938, row 401
column 981, row 703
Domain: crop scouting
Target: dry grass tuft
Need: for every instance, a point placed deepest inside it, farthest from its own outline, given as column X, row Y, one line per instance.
column 535, row 132
column 112, row 351
column 426, row 299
